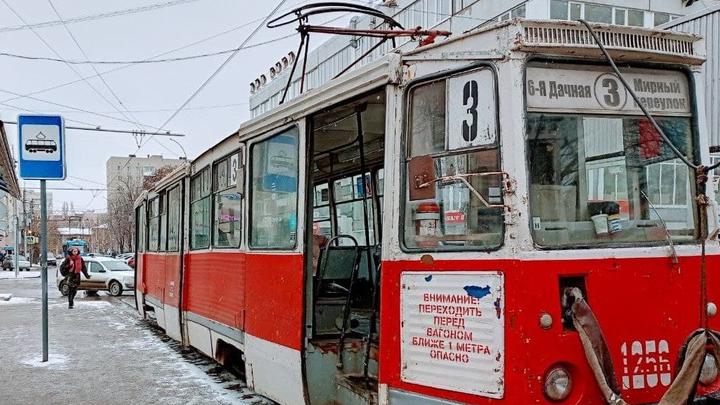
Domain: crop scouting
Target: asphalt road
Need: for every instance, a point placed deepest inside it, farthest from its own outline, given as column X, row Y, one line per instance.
column 100, row 352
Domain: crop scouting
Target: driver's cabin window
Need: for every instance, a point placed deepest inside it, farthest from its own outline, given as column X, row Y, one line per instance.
column 455, row 201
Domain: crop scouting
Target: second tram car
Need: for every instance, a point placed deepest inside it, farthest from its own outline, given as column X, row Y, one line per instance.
column 487, row 220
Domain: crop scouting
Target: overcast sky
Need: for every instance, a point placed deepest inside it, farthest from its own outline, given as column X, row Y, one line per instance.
column 150, row 91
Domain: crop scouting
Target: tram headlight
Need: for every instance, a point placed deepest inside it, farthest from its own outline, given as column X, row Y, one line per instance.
column 709, row 371
column 558, row 384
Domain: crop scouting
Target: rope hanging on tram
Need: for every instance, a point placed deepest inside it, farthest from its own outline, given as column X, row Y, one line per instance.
column 692, row 355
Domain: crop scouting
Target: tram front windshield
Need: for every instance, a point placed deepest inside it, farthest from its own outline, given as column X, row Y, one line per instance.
column 609, row 178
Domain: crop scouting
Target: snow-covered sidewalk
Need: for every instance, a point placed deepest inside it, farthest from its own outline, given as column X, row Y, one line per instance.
column 100, row 352
column 22, row 274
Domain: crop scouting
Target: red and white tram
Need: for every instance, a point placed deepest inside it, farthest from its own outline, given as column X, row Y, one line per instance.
column 490, row 219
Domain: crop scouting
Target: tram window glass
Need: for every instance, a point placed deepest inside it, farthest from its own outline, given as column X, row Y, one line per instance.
column 588, row 171
column 454, row 122
column 154, row 225
column 141, row 225
column 162, row 246
column 173, row 223
column 273, row 214
column 350, row 208
column 321, row 211
column 200, row 210
column 228, row 216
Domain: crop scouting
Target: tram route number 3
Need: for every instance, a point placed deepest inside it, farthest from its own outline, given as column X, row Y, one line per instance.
column 645, row 364
column 471, row 117
column 234, row 161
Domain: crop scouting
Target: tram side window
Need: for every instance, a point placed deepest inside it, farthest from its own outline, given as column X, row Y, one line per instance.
column 141, row 225
column 200, row 210
column 154, row 239
column 163, row 223
column 227, row 224
column 173, row 222
column 453, row 125
column 273, row 214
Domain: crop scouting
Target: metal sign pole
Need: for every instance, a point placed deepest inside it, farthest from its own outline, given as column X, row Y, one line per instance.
column 16, row 258
column 43, row 267
column 41, row 144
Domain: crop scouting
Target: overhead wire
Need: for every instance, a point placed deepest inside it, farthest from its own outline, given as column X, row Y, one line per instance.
column 203, row 85
column 87, row 61
column 220, row 68
column 180, row 48
column 93, row 17
column 102, row 79
column 52, row 49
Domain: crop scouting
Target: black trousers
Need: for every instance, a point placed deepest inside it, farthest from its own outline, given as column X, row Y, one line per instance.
column 71, row 296
column 73, row 283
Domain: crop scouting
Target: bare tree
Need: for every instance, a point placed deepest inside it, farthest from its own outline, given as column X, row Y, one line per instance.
column 121, row 212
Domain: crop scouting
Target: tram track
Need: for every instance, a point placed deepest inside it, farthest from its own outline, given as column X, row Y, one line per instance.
column 231, row 379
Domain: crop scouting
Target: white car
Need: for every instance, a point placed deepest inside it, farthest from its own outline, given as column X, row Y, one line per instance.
column 108, row 274
column 9, row 263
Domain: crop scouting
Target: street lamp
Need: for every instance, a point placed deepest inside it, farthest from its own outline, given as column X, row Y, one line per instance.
column 181, row 147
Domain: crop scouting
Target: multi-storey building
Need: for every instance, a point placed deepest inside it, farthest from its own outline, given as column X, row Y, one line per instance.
column 9, row 192
column 132, row 170
column 457, row 16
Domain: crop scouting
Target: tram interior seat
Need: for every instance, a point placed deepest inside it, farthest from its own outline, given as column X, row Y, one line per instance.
column 332, row 282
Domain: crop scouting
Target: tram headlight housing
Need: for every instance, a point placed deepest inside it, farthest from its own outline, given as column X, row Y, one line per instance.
column 558, row 383
column 709, row 370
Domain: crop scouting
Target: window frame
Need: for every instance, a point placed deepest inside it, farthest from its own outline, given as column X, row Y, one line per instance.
column 700, row 233
column 295, row 126
column 405, row 148
column 199, row 174
column 240, row 152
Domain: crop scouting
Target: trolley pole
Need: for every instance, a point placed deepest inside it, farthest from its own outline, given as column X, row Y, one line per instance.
column 43, row 267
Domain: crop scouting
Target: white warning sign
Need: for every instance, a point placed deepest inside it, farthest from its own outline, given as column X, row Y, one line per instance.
column 452, row 330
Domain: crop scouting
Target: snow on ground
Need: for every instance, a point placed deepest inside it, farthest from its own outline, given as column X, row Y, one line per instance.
column 18, row 301
column 21, row 274
column 111, row 355
column 55, row 361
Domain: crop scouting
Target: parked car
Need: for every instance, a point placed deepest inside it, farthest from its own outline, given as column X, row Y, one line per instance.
column 125, row 256
column 9, row 262
column 51, row 260
column 106, row 274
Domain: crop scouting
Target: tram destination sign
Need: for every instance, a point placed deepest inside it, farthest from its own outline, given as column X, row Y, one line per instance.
column 452, row 330
column 591, row 90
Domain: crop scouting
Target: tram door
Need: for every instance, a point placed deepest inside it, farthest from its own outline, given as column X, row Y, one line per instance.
column 345, row 202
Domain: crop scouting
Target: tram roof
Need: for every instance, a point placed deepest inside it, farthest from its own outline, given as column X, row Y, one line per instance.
column 351, row 84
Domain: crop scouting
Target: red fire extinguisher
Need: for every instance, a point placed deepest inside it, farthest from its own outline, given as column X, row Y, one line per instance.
column 427, row 224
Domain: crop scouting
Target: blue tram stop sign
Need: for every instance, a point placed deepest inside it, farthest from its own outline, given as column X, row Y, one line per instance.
column 41, row 143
